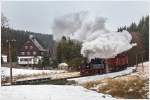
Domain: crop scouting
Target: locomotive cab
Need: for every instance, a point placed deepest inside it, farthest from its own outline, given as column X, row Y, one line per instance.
column 95, row 66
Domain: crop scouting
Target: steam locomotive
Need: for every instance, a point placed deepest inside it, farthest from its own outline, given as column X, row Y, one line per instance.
column 101, row 66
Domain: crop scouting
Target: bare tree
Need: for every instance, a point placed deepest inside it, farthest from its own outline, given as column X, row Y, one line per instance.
column 4, row 21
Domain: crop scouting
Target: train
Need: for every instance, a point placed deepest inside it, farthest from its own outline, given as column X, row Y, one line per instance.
column 102, row 66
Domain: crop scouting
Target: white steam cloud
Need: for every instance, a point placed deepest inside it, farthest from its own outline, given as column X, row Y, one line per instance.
column 96, row 40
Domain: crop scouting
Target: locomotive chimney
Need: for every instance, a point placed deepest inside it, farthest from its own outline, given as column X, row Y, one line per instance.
column 87, row 56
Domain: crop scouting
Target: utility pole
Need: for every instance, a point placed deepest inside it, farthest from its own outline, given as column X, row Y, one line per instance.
column 10, row 60
column 142, row 62
column 136, row 61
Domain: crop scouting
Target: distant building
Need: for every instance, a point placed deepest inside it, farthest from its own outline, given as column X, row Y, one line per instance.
column 63, row 66
column 4, row 58
column 32, row 52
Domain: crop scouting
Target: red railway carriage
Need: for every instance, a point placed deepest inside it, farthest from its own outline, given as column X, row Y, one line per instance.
column 120, row 62
column 98, row 66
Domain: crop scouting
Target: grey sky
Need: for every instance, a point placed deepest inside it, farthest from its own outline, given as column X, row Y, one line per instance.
column 38, row 16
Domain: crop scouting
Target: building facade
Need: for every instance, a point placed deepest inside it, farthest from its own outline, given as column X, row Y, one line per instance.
column 31, row 52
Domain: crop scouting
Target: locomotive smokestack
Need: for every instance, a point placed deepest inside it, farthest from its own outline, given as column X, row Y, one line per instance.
column 87, row 56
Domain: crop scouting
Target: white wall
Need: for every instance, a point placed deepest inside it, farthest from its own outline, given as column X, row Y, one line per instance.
column 31, row 60
column 4, row 57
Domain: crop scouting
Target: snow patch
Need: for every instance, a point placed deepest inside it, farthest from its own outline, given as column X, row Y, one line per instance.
column 6, row 71
column 100, row 77
column 50, row 92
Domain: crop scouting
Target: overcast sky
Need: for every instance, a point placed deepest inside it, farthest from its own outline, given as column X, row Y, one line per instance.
column 38, row 16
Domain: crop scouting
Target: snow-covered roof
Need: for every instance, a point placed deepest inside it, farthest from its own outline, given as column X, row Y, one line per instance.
column 36, row 43
column 63, row 64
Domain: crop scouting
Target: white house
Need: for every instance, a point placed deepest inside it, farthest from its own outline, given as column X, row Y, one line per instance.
column 4, row 58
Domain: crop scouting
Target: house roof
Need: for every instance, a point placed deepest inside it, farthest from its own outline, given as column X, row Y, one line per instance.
column 36, row 43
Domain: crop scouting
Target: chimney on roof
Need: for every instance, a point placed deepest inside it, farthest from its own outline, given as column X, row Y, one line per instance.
column 31, row 37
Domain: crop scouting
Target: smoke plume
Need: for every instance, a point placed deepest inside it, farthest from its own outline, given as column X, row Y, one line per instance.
column 96, row 40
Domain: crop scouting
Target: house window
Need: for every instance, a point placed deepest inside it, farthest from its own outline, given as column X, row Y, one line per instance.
column 25, row 59
column 28, row 53
column 26, row 47
column 34, row 52
column 31, row 47
column 42, row 53
column 22, row 53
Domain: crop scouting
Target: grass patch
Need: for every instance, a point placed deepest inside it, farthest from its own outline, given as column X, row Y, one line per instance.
column 91, row 84
column 134, row 88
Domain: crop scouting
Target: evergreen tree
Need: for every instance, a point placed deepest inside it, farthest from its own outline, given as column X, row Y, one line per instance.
column 140, row 25
column 69, row 51
column 145, row 33
column 45, row 61
column 132, row 27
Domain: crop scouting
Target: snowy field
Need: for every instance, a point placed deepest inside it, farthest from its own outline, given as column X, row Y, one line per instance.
column 144, row 71
column 25, row 72
column 50, row 92
column 100, row 77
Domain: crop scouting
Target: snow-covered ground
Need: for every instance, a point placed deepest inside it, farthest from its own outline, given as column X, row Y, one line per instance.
column 100, row 77
column 143, row 71
column 6, row 71
column 50, row 92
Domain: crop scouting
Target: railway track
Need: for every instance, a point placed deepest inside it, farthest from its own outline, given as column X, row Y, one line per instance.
column 47, row 78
